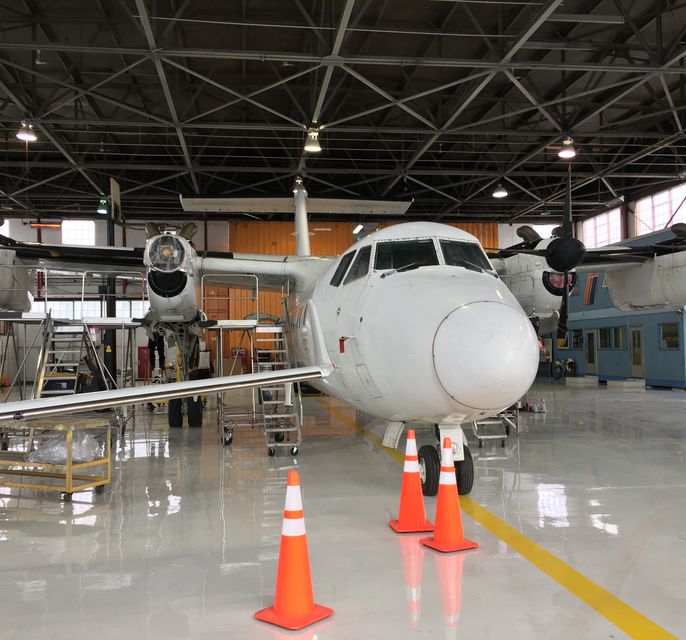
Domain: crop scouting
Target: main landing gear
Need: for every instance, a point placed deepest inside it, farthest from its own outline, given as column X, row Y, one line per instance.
column 430, row 467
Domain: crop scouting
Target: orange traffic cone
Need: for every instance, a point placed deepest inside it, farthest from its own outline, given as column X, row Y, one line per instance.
column 411, row 515
column 448, row 534
column 413, row 567
column 294, row 606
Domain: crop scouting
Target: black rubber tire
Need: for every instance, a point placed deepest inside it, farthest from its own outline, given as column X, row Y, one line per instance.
column 271, row 452
column 279, row 436
column 464, row 473
column 430, row 462
column 557, row 372
column 67, row 497
column 174, row 414
column 228, row 438
column 194, row 412
column 100, row 489
column 294, row 451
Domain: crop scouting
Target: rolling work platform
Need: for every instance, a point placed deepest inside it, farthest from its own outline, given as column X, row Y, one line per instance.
column 498, row 427
column 275, row 409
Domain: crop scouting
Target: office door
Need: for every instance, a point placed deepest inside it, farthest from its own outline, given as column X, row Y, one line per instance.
column 591, row 356
column 637, row 356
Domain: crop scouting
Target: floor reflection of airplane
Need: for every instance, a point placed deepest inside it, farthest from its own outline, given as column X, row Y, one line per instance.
column 650, row 276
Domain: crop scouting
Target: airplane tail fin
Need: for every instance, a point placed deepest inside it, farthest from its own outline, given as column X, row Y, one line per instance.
column 302, row 231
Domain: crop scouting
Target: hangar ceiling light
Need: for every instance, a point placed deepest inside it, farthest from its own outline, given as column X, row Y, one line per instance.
column 102, row 207
column 500, row 192
column 312, row 143
column 26, row 133
column 567, row 152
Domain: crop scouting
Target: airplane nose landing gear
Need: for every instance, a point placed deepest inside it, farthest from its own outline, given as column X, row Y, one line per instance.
column 430, row 463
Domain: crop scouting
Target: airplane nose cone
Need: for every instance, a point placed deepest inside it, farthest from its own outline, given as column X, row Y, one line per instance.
column 485, row 355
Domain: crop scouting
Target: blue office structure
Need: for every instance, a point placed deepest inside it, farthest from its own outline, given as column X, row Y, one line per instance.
column 616, row 345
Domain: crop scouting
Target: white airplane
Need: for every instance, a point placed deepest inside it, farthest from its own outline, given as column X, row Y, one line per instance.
column 647, row 277
column 411, row 324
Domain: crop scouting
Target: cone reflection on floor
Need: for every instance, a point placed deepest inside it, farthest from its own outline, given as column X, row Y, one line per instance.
column 411, row 514
column 294, row 606
column 449, row 570
column 413, row 566
column 448, row 533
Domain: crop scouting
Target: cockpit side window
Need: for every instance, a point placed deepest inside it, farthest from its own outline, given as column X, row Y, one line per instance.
column 465, row 254
column 405, row 254
column 342, row 268
column 360, row 267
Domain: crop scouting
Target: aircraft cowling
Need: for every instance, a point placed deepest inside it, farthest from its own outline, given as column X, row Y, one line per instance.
column 14, row 284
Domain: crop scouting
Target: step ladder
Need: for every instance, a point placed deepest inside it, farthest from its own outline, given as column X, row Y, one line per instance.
column 281, row 402
column 68, row 361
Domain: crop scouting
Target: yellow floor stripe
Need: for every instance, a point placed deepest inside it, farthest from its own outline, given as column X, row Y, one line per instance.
column 626, row 618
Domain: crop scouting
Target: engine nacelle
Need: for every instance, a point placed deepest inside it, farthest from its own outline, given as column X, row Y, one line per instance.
column 658, row 284
column 172, row 288
column 523, row 274
column 14, row 283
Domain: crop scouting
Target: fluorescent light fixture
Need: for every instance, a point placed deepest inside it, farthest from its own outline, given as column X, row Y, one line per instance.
column 26, row 133
column 45, row 225
column 567, row 152
column 357, row 229
column 312, row 143
column 500, row 192
column 102, row 207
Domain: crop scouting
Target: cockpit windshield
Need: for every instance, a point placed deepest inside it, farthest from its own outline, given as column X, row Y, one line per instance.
column 405, row 255
column 465, row 254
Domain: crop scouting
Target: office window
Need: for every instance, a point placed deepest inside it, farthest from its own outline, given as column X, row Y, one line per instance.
column 669, row 336
column 88, row 309
column 661, row 210
column 577, row 339
column 604, row 339
column 619, row 337
column 80, row 232
column 602, row 230
column 139, row 308
column 63, row 309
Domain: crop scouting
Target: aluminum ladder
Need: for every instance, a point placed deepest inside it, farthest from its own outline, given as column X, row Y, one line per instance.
column 281, row 402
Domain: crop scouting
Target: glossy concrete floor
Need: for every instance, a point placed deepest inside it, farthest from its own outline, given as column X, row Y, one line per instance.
column 184, row 542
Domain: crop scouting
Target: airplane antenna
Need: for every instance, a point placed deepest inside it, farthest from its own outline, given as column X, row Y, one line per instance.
column 302, row 231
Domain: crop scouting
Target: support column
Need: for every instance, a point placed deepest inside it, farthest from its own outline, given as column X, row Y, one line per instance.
column 110, row 335
column 302, row 231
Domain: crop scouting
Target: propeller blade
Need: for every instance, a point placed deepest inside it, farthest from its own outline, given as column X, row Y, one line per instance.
column 562, row 322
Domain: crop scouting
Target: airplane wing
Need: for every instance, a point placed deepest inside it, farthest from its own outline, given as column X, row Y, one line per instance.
column 272, row 271
column 43, row 407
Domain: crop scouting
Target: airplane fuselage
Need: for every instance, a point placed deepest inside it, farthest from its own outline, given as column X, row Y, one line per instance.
column 414, row 321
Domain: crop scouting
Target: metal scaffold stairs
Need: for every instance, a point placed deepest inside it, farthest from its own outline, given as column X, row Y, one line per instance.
column 281, row 403
column 68, row 362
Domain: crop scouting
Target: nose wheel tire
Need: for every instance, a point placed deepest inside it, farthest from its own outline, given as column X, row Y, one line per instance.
column 429, row 469
column 175, row 413
column 464, row 473
column 194, row 412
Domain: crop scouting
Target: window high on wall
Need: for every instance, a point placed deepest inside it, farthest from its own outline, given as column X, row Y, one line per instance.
column 661, row 210
column 603, row 229
column 78, row 232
